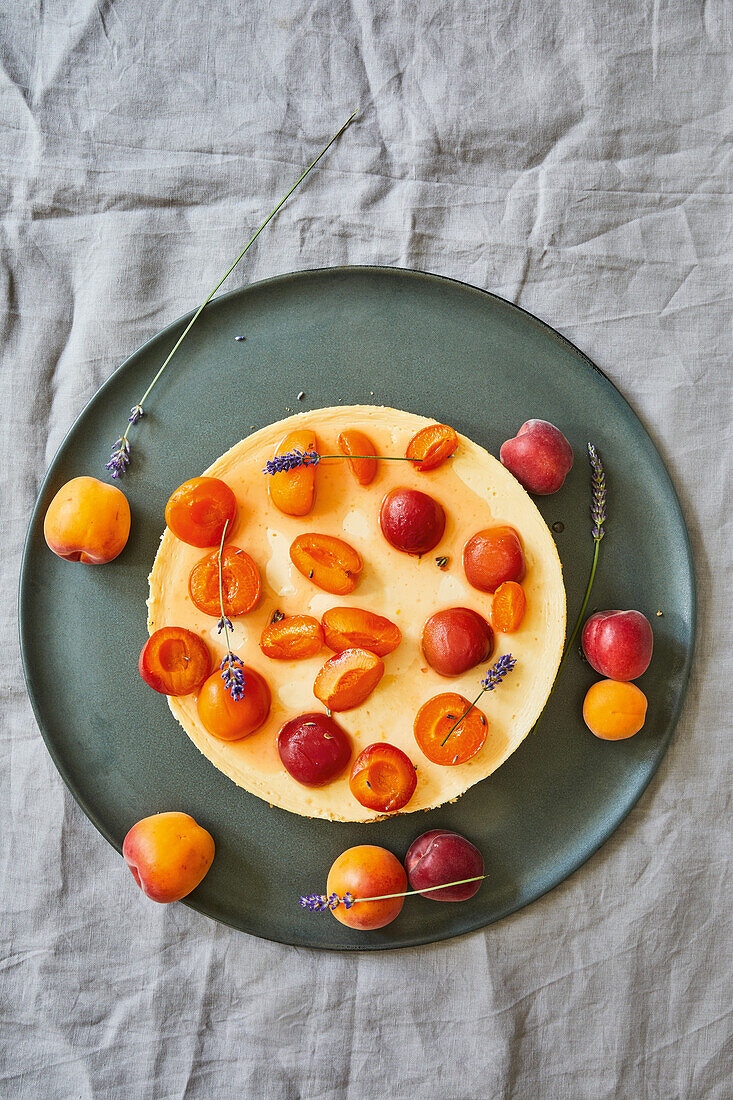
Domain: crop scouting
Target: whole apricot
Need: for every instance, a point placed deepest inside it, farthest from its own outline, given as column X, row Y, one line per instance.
column 87, row 521
column 367, row 871
column 614, row 709
column 168, row 854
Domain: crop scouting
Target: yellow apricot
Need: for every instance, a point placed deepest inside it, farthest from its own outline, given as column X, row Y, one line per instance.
column 87, row 521
column 614, row 709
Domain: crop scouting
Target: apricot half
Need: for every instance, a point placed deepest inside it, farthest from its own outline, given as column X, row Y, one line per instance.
column 293, row 491
column 327, row 561
column 348, row 679
column 361, row 455
column 354, row 628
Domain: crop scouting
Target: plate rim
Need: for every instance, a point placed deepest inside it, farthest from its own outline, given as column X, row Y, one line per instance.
column 587, row 851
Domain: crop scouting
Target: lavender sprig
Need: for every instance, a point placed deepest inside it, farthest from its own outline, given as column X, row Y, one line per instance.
column 293, row 460
column 598, row 515
column 232, row 667
column 323, row 903
column 498, row 671
column 490, row 682
column 119, row 460
column 233, row 675
column 598, row 493
column 118, row 464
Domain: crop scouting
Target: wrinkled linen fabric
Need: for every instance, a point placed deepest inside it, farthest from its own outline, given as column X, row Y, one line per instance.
column 569, row 156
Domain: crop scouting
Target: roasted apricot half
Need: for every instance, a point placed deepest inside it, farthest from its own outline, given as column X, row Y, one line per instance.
column 241, row 583
column 359, row 450
column 174, row 661
column 348, row 679
column 508, row 606
column 292, row 638
column 433, row 725
column 354, row 628
column 432, row 446
column 293, row 491
column 329, row 562
column 199, row 510
column 383, row 778
column 229, row 719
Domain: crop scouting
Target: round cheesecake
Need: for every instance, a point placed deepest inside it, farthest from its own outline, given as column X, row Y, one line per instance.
column 476, row 492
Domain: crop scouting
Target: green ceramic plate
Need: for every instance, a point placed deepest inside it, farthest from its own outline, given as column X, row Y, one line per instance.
column 355, row 335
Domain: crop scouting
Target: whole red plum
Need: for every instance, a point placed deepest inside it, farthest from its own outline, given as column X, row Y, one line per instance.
column 539, row 456
column 440, row 856
column 618, row 644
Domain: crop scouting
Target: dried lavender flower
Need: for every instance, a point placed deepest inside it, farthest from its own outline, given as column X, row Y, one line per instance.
column 136, row 413
column 233, row 676
column 491, row 680
column 322, row 903
column 119, row 459
column 598, row 493
column 598, row 515
column 498, row 671
column 291, row 460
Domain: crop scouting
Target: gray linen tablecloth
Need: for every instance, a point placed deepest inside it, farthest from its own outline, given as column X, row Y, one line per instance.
column 569, row 156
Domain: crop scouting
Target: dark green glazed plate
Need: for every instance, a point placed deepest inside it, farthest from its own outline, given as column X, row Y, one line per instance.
column 355, row 335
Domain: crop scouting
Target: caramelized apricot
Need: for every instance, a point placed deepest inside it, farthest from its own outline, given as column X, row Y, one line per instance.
column 329, row 562
column 354, row 628
column 614, row 709
column 355, row 443
column 508, row 606
column 493, row 556
column 174, row 661
column 383, row 778
column 432, row 446
column 293, row 491
column 347, row 679
column 292, row 638
column 434, row 722
column 231, row 720
column 199, row 510
column 241, row 583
